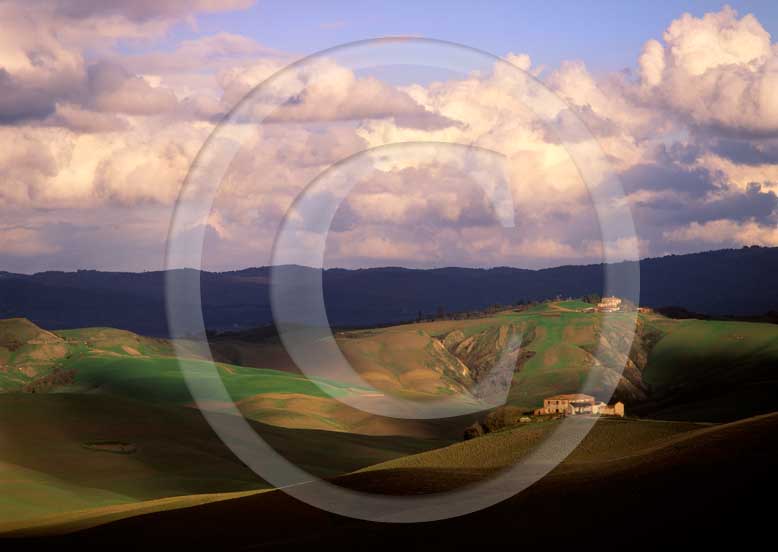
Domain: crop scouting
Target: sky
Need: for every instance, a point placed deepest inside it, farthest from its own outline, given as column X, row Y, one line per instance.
column 606, row 34
column 105, row 105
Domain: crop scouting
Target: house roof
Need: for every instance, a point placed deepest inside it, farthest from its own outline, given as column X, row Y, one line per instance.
column 581, row 403
column 571, row 397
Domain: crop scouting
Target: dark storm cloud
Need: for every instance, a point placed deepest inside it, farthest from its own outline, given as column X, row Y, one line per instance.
column 678, row 152
column 754, row 203
column 20, row 103
column 141, row 10
column 752, row 151
column 743, row 152
column 686, row 196
column 656, row 177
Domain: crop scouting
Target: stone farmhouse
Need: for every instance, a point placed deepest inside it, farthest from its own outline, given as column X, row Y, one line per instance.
column 609, row 304
column 576, row 404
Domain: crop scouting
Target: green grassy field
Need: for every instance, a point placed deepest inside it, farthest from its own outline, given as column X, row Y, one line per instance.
column 117, row 362
column 109, row 431
column 711, row 370
column 574, row 304
column 50, row 466
column 696, row 352
column 428, row 360
column 561, row 361
column 161, row 379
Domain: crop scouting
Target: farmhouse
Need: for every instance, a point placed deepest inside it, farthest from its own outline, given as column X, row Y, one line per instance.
column 611, row 409
column 609, row 304
column 575, row 404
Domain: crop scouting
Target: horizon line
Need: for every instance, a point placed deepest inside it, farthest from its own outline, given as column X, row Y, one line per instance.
column 385, row 267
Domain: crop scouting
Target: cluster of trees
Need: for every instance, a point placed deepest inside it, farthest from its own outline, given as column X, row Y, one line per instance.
column 441, row 312
column 502, row 417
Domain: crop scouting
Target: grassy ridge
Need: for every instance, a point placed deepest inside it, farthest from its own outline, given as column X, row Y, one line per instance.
column 122, row 363
column 117, row 362
column 696, row 486
column 696, row 352
column 721, row 370
column 610, row 438
column 712, row 370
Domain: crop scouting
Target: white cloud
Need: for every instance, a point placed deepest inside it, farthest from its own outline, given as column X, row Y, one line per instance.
column 720, row 70
column 114, row 90
column 117, row 134
column 727, row 231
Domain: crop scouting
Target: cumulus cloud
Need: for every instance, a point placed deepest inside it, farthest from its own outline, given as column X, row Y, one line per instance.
column 43, row 55
column 112, row 89
column 720, row 70
column 80, row 120
column 323, row 90
column 99, row 142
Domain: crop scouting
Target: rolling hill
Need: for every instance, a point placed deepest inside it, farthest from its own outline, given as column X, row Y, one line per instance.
column 121, row 363
column 703, row 370
column 98, row 424
column 64, row 452
column 697, row 370
column 712, row 370
column 631, row 482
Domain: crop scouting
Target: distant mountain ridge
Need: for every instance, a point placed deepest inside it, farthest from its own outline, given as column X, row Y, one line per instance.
column 723, row 282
